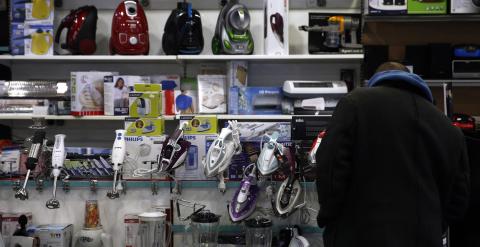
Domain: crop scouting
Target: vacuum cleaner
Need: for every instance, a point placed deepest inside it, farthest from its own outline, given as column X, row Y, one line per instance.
column 81, row 25
column 129, row 30
column 232, row 35
column 220, row 153
column 183, row 31
column 245, row 198
column 174, row 151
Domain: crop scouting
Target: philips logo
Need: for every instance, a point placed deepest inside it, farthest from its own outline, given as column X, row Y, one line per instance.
column 134, row 139
column 190, row 138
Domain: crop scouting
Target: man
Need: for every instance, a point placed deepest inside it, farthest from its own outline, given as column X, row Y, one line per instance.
column 392, row 169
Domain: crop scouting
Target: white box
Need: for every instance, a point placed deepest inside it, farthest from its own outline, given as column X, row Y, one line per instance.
column 87, row 92
column 116, row 93
column 211, row 94
column 132, row 224
column 193, row 167
column 10, row 225
column 10, row 160
column 463, row 7
column 142, row 152
column 276, row 27
column 54, row 235
column 237, row 74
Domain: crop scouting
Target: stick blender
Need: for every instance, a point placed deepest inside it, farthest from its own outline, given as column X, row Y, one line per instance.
column 58, row 157
column 118, row 156
column 33, row 155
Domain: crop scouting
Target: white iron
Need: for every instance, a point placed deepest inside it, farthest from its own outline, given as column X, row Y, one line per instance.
column 58, row 157
column 221, row 151
column 297, row 240
column 118, row 156
column 271, row 156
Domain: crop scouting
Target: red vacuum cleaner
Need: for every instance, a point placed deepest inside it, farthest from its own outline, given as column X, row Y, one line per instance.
column 129, row 30
column 81, row 24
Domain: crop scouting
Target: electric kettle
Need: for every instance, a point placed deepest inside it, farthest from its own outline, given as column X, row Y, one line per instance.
column 154, row 230
column 204, row 227
column 41, row 9
column 258, row 232
column 41, row 42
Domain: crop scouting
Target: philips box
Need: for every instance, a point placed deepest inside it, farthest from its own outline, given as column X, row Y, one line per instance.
column 276, row 27
column 387, row 7
column 193, row 168
column 54, row 235
column 142, row 153
column 116, row 90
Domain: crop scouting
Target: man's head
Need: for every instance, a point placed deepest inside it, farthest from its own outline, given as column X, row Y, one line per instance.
column 391, row 66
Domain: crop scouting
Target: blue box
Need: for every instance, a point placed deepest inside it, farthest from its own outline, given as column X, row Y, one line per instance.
column 255, row 100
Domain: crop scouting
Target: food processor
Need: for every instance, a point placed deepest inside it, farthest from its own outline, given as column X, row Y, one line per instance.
column 204, row 227
column 258, row 232
column 153, row 228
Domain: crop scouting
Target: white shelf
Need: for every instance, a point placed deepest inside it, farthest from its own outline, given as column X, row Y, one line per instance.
column 455, row 82
column 255, row 117
column 180, row 58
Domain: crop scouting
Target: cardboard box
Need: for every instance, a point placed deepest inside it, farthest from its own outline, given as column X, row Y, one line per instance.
column 427, row 7
column 132, row 224
column 10, row 225
column 387, row 7
column 211, row 94
column 237, row 74
column 463, row 7
column 87, row 92
column 199, row 125
column 142, row 153
column 54, row 235
column 193, row 168
column 144, row 126
column 256, row 100
column 38, row 10
column 116, row 90
column 10, row 161
column 276, row 27
column 146, row 101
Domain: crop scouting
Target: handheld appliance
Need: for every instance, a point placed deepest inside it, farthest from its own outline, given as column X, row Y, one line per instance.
column 232, row 34
column 174, row 151
column 92, row 234
column 271, row 155
column 298, row 240
column 276, row 23
column 118, row 157
column 245, row 198
column 143, row 106
column 81, row 25
column 58, row 157
column 34, row 154
column 41, row 9
column 259, row 232
column 183, row 31
column 153, row 230
column 129, row 30
column 220, row 153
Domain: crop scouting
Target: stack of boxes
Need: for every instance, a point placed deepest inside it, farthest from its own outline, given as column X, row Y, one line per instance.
column 31, row 27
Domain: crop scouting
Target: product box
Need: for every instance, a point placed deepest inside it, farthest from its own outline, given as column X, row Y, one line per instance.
column 54, row 235
column 186, row 102
column 276, row 27
column 169, row 83
column 211, row 94
column 142, row 153
column 387, row 7
column 87, row 92
column 132, row 224
column 146, row 101
column 255, row 131
column 464, row 7
column 10, row 161
column 10, row 225
column 199, row 124
column 193, row 168
column 237, row 74
column 34, row 39
column 144, row 126
column 427, row 7
column 32, row 10
column 39, row 168
column 333, row 38
column 116, row 90
column 17, row 40
column 256, row 100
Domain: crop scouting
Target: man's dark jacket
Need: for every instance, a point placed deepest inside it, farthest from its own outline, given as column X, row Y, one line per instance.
column 392, row 171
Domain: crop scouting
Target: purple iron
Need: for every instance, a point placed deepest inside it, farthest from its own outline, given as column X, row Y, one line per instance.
column 174, row 151
column 245, row 198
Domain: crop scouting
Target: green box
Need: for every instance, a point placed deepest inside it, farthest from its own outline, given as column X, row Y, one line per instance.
column 427, row 7
column 203, row 125
column 144, row 126
column 145, row 101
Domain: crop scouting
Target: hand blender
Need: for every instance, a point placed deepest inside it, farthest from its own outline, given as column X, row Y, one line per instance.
column 118, row 156
column 32, row 160
column 58, row 157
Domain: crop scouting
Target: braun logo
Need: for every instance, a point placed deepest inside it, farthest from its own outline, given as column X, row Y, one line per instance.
column 299, row 120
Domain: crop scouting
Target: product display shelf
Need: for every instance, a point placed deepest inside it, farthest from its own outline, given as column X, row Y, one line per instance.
column 106, row 184
column 90, row 59
column 455, row 82
column 272, row 58
column 423, row 18
column 235, row 229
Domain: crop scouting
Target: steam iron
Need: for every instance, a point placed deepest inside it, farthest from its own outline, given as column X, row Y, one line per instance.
column 174, row 151
column 221, row 151
column 245, row 198
column 271, row 156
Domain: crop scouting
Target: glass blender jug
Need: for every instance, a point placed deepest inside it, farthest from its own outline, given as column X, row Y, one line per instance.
column 204, row 227
column 153, row 229
column 258, row 232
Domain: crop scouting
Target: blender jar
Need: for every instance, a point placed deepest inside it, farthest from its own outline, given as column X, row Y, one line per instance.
column 259, row 232
column 204, row 227
column 152, row 230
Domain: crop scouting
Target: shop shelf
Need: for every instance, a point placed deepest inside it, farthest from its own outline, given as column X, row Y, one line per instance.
column 306, row 229
column 423, row 18
column 286, row 58
column 90, row 59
